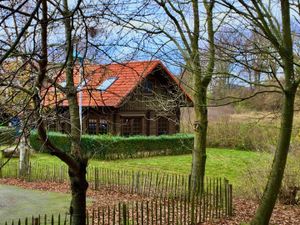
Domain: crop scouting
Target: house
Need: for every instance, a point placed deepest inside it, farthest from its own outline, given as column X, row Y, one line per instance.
column 134, row 98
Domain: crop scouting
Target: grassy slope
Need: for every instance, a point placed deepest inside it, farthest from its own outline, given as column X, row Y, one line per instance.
column 231, row 164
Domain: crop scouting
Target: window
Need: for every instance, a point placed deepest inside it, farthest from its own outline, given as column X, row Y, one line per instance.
column 106, row 84
column 103, row 126
column 82, row 84
column 97, row 126
column 92, row 126
column 148, row 86
column 132, row 126
column 63, row 84
column 126, row 128
column 136, row 126
column 162, row 126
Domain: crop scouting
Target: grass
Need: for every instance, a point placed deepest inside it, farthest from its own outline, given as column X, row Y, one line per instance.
column 232, row 164
column 20, row 203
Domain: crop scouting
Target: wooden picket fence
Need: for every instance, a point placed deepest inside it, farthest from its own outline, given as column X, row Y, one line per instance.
column 150, row 184
column 158, row 211
column 171, row 201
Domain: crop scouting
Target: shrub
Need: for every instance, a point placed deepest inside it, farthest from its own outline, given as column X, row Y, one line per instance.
column 116, row 147
column 241, row 135
column 257, row 175
column 7, row 135
column 289, row 192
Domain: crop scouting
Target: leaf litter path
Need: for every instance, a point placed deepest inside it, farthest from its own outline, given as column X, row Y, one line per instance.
column 243, row 209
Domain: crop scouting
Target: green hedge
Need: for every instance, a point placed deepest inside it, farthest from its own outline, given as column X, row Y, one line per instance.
column 7, row 135
column 116, row 147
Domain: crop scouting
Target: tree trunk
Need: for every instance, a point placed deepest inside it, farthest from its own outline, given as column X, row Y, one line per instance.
column 78, row 180
column 200, row 130
column 265, row 209
column 201, row 82
column 24, row 154
column 79, row 186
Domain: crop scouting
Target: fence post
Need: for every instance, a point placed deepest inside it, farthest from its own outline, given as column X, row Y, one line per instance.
column 226, row 196
column 193, row 209
column 124, row 212
column 1, row 167
column 230, row 213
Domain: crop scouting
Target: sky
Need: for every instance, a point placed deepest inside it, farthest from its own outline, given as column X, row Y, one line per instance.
column 116, row 43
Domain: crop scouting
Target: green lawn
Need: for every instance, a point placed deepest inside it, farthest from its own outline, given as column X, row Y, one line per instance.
column 232, row 164
column 21, row 203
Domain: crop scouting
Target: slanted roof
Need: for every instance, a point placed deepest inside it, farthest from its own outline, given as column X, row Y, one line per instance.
column 118, row 80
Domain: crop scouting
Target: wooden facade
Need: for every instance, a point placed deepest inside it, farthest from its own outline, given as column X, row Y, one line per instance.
column 152, row 108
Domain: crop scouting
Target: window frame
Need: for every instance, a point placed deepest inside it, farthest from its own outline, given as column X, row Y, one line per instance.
column 100, row 128
column 98, row 123
column 146, row 89
column 95, row 126
column 107, row 83
column 167, row 124
column 131, row 126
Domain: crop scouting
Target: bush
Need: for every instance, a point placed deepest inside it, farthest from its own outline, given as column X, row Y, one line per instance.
column 7, row 135
column 116, row 147
column 290, row 188
column 257, row 175
column 241, row 135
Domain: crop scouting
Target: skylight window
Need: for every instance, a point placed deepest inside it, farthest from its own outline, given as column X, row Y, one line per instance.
column 106, row 84
column 63, row 84
column 82, row 84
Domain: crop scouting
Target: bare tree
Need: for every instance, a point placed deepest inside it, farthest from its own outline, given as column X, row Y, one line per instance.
column 191, row 35
column 16, row 77
column 258, row 16
column 37, row 28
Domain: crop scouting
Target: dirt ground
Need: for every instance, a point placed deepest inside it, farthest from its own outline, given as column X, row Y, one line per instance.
column 243, row 209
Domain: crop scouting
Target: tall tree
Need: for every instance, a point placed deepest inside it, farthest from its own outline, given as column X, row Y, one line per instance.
column 191, row 32
column 39, row 19
column 76, row 160
column 278, row 32
column 19, row 73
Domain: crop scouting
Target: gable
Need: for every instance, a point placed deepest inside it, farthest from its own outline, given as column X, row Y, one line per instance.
column 111, row 85
column 165, row 95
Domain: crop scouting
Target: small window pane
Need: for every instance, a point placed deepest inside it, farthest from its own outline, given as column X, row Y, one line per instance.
column 107, row 83
column 148, row 86
column 92, row 126
column 136, row 126
column 103, row 126
column 132, row 126
column 162, row 126
column 63, row 84
column 126, row 128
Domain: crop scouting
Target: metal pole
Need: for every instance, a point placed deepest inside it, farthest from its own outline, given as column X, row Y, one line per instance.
column 80, row 94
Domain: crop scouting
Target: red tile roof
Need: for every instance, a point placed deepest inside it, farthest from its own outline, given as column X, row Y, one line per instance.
column 129, row 76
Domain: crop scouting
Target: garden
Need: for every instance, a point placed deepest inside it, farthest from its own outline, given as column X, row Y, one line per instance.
column 123, row 180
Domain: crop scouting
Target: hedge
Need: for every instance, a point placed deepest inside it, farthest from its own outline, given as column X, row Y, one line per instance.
column 116, row 147
column 7, row 135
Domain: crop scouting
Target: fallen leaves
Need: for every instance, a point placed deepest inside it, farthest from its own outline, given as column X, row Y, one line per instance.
column 244, row 209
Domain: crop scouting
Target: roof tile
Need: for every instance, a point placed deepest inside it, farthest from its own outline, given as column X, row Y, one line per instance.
column 129, row 76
